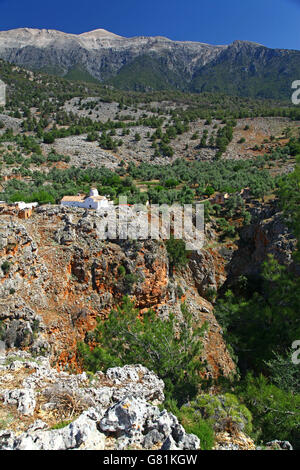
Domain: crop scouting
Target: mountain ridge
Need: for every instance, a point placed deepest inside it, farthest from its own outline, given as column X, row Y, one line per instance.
column 150, row 63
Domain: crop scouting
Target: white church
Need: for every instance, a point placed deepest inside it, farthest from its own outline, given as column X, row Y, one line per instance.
column 93, row 201
column 2, row 93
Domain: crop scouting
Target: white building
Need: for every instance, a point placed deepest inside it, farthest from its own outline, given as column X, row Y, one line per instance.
column 2, row 93
column 93, row 201
column 23, row 205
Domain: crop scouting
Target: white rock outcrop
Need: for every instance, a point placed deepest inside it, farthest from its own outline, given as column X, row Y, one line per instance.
column 116, row 410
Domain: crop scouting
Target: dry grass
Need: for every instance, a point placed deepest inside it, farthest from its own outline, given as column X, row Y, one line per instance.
column 68, row 404
column 14, row 378
column 11, row 419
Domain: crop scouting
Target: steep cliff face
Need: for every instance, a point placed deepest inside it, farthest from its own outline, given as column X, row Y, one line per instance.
column 58, row 277
column 268, row 234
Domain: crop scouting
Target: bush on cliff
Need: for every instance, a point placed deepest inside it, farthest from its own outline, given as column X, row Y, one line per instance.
column 289, row 199
column 223, row 412
column 193, row 423
column 171, row 347
column 176, row 252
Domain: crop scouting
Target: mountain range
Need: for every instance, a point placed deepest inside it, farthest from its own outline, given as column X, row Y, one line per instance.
column 155, row 63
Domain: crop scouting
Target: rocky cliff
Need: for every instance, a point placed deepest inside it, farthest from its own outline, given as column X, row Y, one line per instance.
column 58, row 276
column 268, row 234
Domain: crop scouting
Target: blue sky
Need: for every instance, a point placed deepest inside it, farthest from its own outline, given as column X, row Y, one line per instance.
column 274, row 23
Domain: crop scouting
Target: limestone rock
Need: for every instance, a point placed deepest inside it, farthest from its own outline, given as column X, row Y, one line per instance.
column 24, row 399
column 82, row 434
column 136, row 420
column 279, row 445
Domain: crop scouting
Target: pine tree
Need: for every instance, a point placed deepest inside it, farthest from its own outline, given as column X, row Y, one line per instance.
column 171, row 348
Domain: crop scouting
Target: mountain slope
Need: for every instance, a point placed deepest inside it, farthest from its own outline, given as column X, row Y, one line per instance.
column 148, row 72
column 155, row 63
column 101, row 53
column 249, row 69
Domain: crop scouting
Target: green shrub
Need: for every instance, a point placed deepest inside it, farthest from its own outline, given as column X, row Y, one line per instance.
column 121, row 271
column 284, row 373
column 176, row 252
column 223, row 410
column 129, row 280
column 171, row 183
column 62, row 424
column 210, row 294
column 226, row 228
column 193, row 423
column 170, row 348
column 49, row 138
column 179, row 291
column 276, row 413
column 92, row 136
column 5, row 267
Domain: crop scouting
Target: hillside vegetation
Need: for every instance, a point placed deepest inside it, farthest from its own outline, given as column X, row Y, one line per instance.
column 216, row 325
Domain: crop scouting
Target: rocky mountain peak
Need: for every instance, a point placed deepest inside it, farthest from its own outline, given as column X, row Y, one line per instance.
column 241, row 43
column 99, row 34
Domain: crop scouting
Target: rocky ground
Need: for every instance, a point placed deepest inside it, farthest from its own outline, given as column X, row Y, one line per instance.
column 42, row 409
column 83, row 153
column 258, row 134
column 184, row 146
column 10, row 123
